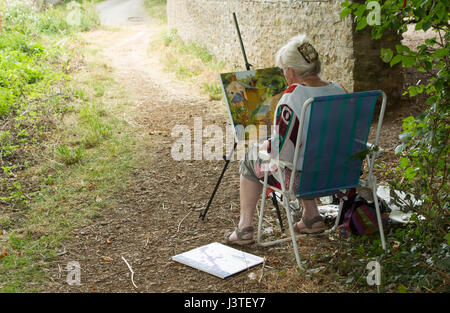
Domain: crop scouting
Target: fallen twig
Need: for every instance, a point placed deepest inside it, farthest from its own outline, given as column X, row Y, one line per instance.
column 132, row 272
column 262, row 271
column 59, row 271
column 62, row 252
column 179, row 224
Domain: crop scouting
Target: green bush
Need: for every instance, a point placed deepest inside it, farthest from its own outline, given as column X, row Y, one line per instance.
column 25, row 75
column 32, row 83
column 422, row 172
column 24, row 18
column 58, row 19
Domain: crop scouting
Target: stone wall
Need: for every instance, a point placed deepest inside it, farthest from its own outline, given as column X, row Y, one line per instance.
column 266, row 25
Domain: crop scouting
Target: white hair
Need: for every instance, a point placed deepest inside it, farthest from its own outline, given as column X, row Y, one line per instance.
column 290, row 56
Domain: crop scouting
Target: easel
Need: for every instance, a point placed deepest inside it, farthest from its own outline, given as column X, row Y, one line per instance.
column 227, row 159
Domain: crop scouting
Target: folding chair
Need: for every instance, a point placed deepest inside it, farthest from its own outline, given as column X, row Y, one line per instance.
column 337, row 134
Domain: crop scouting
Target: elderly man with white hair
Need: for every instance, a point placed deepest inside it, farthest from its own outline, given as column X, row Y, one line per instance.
column 301, row 67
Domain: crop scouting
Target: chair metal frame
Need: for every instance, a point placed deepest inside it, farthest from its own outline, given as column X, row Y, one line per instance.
column 289, row 194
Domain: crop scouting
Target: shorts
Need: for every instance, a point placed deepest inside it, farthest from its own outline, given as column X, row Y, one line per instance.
column 247, row 167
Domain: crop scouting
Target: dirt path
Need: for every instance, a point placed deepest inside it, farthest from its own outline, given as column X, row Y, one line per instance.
column 158, row 213
column 122, row 12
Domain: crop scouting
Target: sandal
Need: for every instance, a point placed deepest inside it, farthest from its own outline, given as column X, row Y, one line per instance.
column 240, row 233
column 309, row 222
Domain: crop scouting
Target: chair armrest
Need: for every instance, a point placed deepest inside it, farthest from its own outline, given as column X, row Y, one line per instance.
column 372, row 146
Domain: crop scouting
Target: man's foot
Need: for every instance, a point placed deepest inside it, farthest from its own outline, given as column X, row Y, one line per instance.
column 313, row 225
column 240, row 236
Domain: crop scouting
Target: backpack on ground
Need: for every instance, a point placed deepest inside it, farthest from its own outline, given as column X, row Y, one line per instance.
column 359, row 216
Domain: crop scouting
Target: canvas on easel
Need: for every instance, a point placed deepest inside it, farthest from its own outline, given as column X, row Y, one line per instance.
column 252, row 96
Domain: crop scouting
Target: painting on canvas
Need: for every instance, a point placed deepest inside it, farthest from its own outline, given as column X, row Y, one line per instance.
column 252, row 96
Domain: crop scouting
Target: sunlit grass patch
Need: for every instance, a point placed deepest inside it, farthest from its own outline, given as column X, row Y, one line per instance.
column 157, row 9
column 189, row 62
column 68, row 155
column 214, row 90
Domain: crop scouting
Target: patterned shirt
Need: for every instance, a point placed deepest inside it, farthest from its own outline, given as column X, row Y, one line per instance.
column 286, row 121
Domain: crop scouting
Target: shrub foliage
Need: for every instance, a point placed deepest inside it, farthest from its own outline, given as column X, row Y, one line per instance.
column 422, row 171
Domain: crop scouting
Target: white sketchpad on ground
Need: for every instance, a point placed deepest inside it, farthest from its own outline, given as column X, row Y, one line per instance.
column 218, row 259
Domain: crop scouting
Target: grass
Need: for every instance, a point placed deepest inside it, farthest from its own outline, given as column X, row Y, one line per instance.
column 214, row 91
column 69, row 155
column 57, row 20
column 189, row 61
column 96, row 151
column 157, row 9
column 84, row 160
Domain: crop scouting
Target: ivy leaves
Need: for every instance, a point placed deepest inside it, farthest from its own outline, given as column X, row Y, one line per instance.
column 422, row 170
